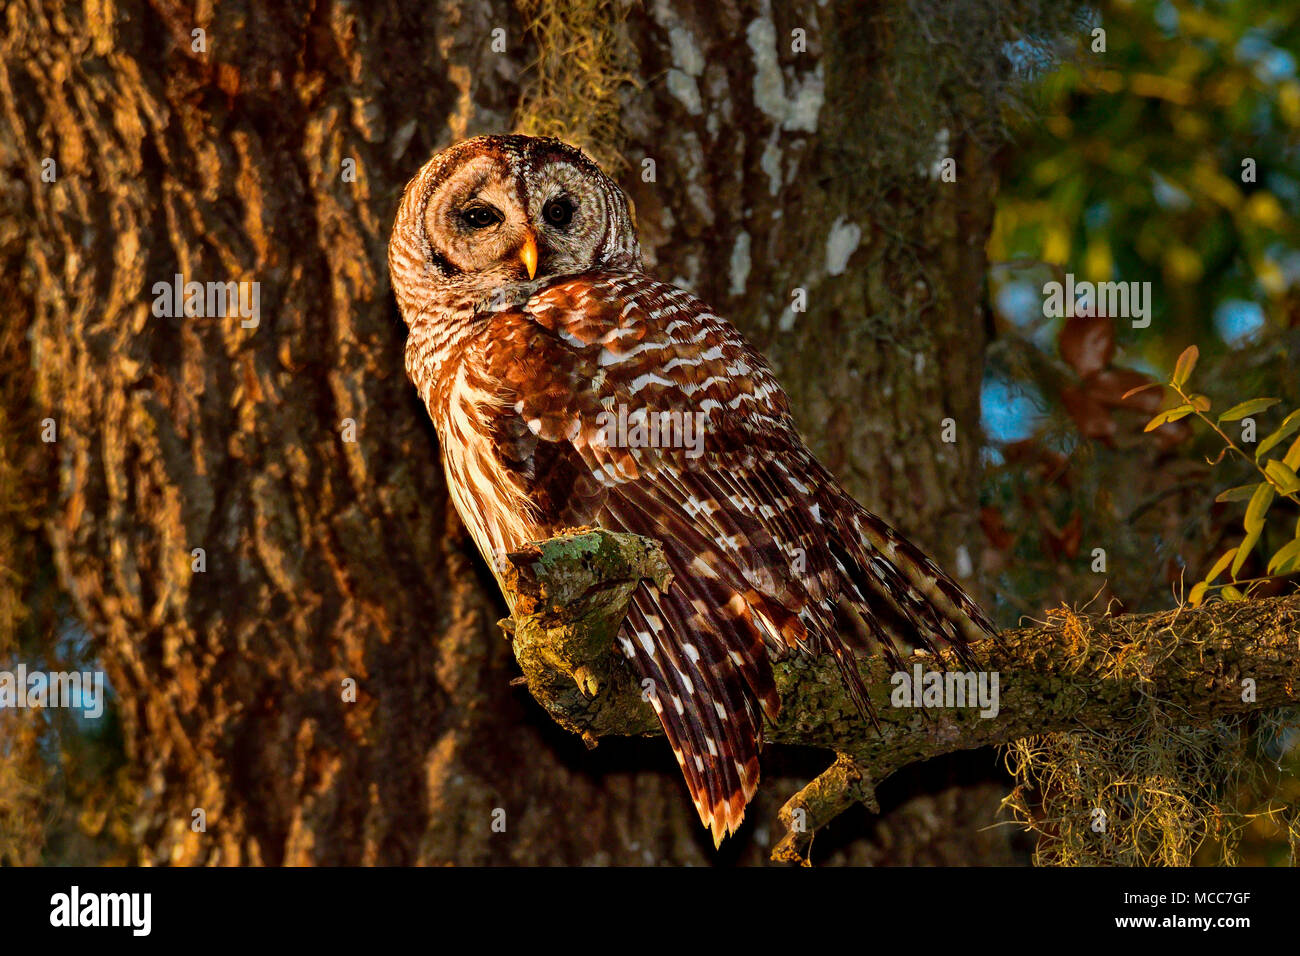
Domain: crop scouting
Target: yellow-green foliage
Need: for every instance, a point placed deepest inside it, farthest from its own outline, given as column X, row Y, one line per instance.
column 574, row 86
column 1154, row 793
column 1276, row 459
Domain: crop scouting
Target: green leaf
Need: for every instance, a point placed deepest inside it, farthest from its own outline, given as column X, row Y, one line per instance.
column 1244, row 550
column 1167, row 416
column 1258, row 507
column 1220, row 565
column 1240, row 493
column 1183, row 367
column 1199, row 402
column 1232, row 594
column 1248, row 408
column 1140, row 388
column 1198, row 594
column 1287, row 558
column 1292, row 457
column 1286, row 480
column 1289, row 425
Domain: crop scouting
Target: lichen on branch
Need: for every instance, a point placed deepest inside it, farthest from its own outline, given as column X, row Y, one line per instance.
column 570, row 595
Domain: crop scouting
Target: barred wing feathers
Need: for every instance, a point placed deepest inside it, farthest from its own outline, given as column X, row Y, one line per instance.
column 763, row 543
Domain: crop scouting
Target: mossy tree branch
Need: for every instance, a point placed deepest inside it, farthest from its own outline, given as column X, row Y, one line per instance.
column 570, row 595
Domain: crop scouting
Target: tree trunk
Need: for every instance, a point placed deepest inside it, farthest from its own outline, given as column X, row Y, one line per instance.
column 326, row 559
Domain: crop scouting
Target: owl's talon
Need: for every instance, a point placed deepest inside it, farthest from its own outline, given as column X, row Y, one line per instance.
column 586, row 681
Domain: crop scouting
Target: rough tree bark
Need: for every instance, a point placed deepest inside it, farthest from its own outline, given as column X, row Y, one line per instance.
column 777, row 169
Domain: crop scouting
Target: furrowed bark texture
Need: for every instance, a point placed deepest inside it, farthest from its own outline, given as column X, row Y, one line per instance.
column 1067, row 674
column 329, row 559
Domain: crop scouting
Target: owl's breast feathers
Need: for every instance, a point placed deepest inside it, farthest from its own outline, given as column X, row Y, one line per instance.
column 611, row 399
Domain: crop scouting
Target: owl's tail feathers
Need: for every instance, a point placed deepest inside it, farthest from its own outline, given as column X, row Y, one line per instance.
column 901, row 596
column 709, row 678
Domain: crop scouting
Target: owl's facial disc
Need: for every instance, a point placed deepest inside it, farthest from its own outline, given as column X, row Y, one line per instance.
column 569, row 216
column 477, row 225
column 500, row 214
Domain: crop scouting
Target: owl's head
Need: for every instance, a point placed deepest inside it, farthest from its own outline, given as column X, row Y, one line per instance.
column 501, row 214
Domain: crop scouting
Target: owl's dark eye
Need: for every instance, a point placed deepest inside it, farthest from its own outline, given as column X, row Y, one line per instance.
column 480, row 217
column 558, row 212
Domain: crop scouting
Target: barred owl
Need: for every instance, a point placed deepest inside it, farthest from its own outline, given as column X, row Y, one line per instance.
column 545, row 356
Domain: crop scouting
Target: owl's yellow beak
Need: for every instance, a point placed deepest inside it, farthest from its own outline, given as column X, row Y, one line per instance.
column 528, row 254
